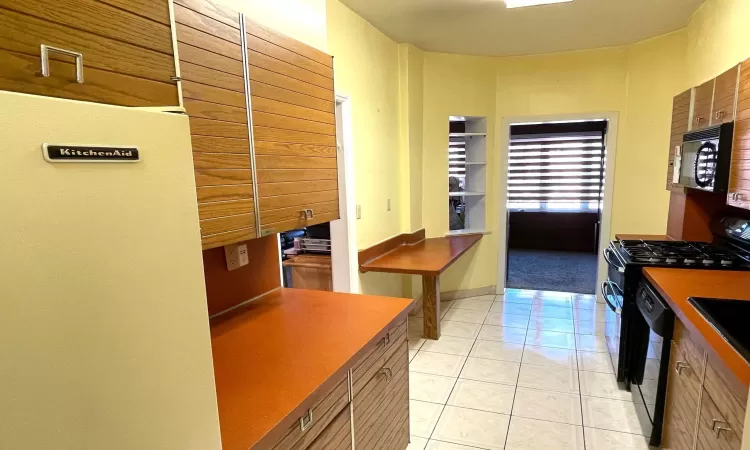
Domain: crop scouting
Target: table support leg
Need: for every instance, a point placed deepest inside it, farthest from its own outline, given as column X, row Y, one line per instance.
column 431, row 306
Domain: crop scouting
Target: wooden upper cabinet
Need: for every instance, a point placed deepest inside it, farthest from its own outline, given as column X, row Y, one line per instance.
column 725, row 96
column 702, row 104
column 679, row 126
column 108, row 51
column 294, row 131
column 213, row 92
column 739, row 174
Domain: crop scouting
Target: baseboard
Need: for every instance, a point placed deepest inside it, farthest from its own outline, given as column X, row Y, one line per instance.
column 455, row 295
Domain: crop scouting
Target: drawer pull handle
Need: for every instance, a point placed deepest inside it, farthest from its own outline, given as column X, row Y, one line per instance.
column 717, row 428
column 310, row 214
column 46, row 50
column 306, row 420
column 680, row 366
column 387, row 372
column 387, row 339
column 306, row 214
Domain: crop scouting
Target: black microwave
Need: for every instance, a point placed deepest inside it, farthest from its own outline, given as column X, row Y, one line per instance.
column 703, row 159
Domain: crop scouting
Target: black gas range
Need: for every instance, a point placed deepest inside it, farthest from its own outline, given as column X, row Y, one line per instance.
column 636, row 350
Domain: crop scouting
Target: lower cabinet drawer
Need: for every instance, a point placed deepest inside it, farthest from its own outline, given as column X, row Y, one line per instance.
column 730, row 397
column 381, row 408
column 337, row 435
column 376, row 358
column 714, row 432
column 313, row 422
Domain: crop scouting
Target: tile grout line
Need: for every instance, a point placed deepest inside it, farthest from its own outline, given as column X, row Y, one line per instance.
column 515, row 391
column 445, row 405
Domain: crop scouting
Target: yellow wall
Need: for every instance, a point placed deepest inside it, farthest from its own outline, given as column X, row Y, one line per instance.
column 655, row 75
column 304, row 20
column 455, row 85
column 366, row 64
column 718, row 38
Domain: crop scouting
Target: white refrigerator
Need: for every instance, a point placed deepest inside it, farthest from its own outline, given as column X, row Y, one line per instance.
column 104, row 335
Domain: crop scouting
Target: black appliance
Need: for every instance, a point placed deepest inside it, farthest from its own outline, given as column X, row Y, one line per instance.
column 702, row 161
column 651, row 360
column 627, row 331
column 729, row 317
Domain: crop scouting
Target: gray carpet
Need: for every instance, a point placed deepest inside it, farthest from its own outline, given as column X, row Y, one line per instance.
column 552, row 271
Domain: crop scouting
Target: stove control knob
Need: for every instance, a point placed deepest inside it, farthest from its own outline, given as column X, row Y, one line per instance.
column 689, row 261
column 671, row 260
column 708, row 262
column 726, row 262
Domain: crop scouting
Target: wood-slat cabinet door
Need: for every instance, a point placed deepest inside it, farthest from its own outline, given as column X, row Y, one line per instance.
column 739, row 172
column 125, row 50
column 213, row 91
column 702, row 103
column 725, row 95
column 681, row 409
column 294, row 131
column 680, row 123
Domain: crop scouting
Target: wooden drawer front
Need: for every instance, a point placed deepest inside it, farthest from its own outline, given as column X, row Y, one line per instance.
column 338, row 434
column 729, row 397
column 375, row 359
column 213, row 91
column 681, row 410
column 703, row 98
column 680, row 122
column 725, row 94
column 324, row 411
column 739, row 175
column 691, row 352
column 381, row 408
column 294, row 131
column 711, row 418
column 129, row 65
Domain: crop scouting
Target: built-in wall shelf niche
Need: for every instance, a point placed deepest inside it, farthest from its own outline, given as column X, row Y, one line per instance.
column 467, row 173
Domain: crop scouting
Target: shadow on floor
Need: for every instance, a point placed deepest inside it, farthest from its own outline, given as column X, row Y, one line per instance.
column 552, row 271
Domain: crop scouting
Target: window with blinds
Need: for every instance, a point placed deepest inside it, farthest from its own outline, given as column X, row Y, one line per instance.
column 557, row 166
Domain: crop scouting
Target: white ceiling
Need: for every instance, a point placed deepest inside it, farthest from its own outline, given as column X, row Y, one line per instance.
column 486, row 27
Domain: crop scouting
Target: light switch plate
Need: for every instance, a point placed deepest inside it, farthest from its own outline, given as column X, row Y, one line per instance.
column 359, row 211
column 388, row 205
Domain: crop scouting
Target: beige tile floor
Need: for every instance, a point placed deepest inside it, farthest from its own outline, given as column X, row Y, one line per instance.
column 523, row 371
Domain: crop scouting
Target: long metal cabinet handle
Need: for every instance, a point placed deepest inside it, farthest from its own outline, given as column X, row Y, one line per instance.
column 306, row 420
column 718, row 430
column 387, row 372
column 46, row 50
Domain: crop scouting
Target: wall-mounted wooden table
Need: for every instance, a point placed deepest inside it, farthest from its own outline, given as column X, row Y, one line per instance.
column 426, row 257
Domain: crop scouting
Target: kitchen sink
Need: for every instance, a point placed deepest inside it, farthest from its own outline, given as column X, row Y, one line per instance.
column 729, row 317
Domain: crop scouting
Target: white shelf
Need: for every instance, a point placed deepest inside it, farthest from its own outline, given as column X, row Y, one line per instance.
column 466, row 134
column 464, row 232
column 464, row 194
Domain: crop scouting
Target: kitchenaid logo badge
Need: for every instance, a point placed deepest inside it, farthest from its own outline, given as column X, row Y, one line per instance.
column 85, row 153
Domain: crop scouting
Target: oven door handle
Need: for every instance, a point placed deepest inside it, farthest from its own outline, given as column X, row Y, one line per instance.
column 607, row 252
column 608, row 284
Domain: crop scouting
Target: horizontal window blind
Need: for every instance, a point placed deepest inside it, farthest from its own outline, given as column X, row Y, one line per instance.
column 556, row 170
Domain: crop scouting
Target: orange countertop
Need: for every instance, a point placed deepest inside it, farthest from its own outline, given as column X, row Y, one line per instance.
column 427, row 257
column 643, row 237
column 275, row 352
column 676, row 285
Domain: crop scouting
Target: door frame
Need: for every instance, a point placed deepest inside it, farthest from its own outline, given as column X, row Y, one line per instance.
column 343, row 230
column 609, row 186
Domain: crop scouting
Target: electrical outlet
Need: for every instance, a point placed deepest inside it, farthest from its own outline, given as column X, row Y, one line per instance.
column 388, row 205
column 359, row 212
column 236, row 256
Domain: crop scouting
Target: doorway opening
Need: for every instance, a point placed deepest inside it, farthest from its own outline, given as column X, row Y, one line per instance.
column 555, row 198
